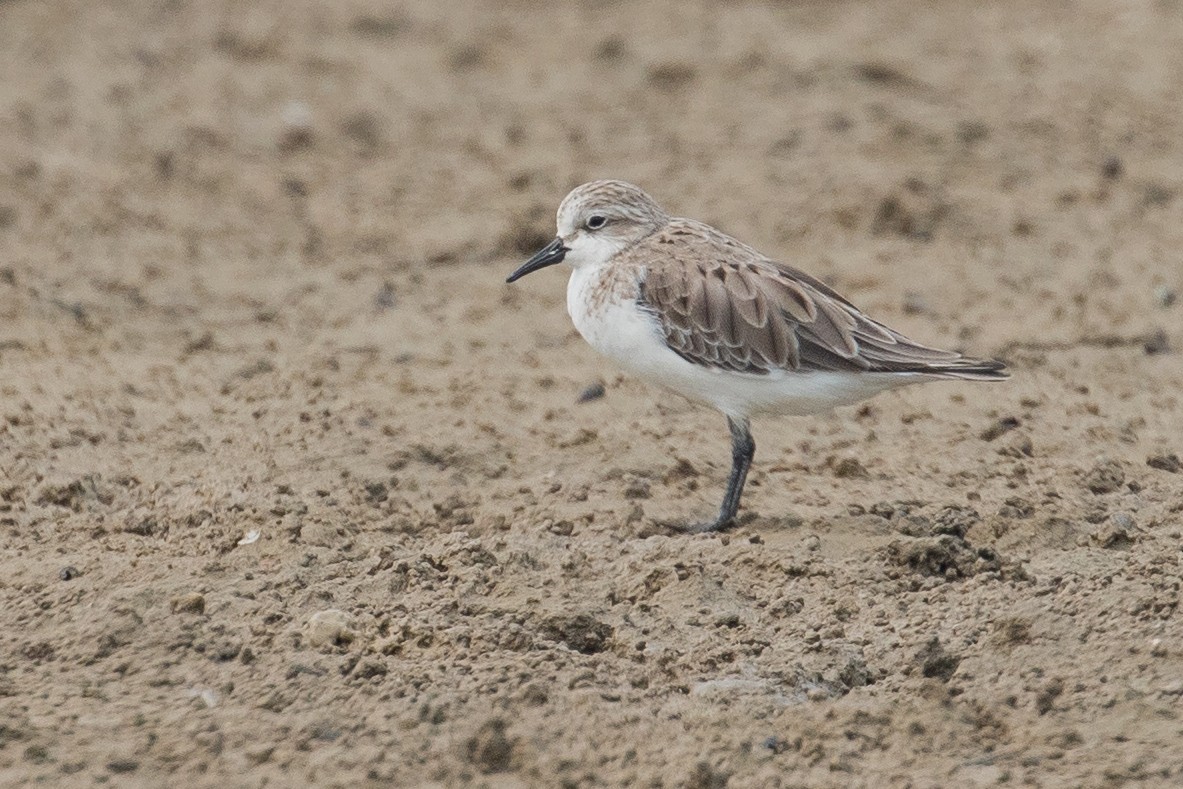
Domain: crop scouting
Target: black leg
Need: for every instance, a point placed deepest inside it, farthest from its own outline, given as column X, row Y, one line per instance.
column 743, row 449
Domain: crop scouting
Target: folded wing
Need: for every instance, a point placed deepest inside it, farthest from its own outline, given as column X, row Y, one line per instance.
column 730, row 308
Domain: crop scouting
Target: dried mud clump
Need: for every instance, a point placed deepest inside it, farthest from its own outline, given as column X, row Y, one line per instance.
column 951, row 520
column 937, row 546
column 849, row 468
column 1165, row 462
column 1106, row 476
column 937, row 663
column 329, row 628
column 1118, row 533
column 191, row 603
column 581, row 632
column 950, row 557
column 73, row 495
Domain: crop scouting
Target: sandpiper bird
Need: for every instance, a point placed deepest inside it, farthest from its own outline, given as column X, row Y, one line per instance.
column 682, row 304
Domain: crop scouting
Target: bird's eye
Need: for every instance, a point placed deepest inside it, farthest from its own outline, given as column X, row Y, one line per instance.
column 596, row 221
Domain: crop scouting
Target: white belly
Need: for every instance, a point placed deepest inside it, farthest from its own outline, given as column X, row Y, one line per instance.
column 632, row 337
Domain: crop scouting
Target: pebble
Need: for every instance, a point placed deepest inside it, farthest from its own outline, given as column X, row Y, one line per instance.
column 591, row 392
column 191, row 603
column 329, row 627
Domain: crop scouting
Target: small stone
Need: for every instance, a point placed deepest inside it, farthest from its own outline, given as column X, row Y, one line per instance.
column 191, row 603
column 68, row 573
column 1165, row 296
column 1124, row 520
column 1118, row 533
column 591, row 392
column 330, row 627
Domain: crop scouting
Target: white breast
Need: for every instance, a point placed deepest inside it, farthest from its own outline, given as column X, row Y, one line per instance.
column 619, row 329
column 631, row 336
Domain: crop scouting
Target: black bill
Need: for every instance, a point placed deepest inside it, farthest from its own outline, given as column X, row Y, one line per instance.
column 552, row 253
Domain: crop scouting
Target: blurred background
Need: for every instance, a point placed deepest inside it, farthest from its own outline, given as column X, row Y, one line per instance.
column 294, row 490
column 380, row 138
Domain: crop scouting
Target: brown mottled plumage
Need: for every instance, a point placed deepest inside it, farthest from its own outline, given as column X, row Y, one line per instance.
column 722, row 304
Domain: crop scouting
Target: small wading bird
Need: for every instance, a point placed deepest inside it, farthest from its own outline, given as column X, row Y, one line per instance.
column 681, row 304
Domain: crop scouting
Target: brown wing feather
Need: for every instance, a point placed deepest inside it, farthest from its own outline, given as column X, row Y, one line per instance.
column 724, row 305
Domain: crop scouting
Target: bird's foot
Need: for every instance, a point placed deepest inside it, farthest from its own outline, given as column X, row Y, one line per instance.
column 711, row 526
column 719, row 524
column 673, row 526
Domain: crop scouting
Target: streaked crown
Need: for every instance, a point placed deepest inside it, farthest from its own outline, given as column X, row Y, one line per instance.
column 615, row 201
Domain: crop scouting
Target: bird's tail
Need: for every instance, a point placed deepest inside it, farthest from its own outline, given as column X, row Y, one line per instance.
column 967, row 369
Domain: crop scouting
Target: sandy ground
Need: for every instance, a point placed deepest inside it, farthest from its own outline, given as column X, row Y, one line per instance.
column 251, row 288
